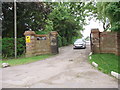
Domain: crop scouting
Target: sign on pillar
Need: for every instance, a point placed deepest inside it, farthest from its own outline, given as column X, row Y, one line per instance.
column 28, row 39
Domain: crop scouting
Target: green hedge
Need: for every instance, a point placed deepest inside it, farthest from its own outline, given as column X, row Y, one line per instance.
column 62, row 41
column 59, row 41
column 8, row 47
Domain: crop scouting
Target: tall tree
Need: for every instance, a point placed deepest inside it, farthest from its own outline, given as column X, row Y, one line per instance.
column 29, row 14
column 68, row 19
column 7, row 19
column 108, row 13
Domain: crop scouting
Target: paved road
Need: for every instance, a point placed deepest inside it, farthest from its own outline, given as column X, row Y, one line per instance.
column 69, row 69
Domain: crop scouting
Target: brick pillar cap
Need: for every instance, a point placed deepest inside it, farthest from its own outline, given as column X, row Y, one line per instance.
column 29, row 33
column 95, row 30
column 54, row 32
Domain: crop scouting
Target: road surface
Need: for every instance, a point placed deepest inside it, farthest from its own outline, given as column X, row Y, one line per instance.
column 69, row 69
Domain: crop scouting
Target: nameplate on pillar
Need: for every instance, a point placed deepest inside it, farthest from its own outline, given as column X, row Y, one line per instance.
column 28, row 39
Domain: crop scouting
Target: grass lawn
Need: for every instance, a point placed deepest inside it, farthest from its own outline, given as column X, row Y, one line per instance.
column 106, row 62
column 20, row 61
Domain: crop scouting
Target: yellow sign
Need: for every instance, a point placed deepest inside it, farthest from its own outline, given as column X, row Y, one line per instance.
column 27, row 39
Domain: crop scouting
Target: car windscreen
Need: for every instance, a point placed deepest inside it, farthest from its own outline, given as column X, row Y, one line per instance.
column 78, row 41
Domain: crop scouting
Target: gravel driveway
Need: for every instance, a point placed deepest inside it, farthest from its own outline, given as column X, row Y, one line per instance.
column 69, row 69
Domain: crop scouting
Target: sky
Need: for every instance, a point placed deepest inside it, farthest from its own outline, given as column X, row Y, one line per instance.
column 92, row 24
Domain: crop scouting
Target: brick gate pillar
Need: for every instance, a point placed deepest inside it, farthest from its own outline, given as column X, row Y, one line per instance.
column 54, row 42
column 30, row 43
column 95, row 40
column 118, row 44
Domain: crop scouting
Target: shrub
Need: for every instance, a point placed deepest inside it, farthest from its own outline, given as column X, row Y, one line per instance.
column 59, row 41
column 64, row 41
column 21, row 46
column 8, row 47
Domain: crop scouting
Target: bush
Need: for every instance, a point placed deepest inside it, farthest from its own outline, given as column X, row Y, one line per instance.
column 21, row 46
column 64, row 41
column 8, row 47
column 59, row 41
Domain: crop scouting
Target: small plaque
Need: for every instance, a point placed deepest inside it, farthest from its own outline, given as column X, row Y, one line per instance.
column 27, row 39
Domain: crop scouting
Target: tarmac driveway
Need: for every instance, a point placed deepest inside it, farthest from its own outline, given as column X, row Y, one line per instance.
column 69, row 69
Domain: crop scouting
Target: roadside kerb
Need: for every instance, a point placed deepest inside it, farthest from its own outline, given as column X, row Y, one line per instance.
column 90, row 54
column 115, row 74
column 90, row 57
column 94, row 64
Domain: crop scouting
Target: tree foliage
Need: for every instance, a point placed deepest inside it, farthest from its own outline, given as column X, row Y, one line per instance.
column 34, row 15
column 112, row 12
column 68, row 19
column 29, row 15
column 108, row 13
column 7, row 19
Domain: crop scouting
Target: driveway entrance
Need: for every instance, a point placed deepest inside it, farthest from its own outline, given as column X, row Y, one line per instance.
column 69, row 69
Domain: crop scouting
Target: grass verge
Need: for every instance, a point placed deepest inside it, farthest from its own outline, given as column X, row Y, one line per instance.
column 106, row 62
column 20, row 61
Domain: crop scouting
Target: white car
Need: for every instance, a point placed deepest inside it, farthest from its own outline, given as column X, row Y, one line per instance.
column 79, row 43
